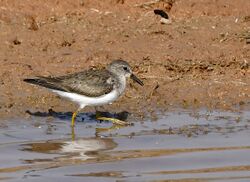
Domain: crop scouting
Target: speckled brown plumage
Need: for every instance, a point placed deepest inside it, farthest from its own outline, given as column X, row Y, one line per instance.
column 92, row 83
column 91, row 87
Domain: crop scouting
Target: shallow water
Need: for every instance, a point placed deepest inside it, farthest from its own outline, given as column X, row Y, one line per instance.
column 179, row 146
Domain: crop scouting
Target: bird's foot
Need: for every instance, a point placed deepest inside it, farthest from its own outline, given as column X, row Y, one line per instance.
column 113, row 120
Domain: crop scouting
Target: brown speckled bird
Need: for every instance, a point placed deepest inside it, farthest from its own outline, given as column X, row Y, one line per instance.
column 91, row 87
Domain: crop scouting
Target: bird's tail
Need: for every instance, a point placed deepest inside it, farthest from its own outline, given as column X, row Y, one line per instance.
column 47, row 83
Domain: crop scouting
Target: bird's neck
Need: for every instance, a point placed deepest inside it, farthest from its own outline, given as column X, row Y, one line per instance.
column 121, row 83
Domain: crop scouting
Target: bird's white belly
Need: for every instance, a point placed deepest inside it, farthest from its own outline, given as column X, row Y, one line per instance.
column 89, row 101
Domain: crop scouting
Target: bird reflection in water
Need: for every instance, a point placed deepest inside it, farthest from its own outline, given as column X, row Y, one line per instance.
column 67, row 150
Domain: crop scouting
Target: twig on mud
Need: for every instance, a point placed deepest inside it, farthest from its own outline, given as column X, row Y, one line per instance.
column 147, row 4
column 161, row 77
column 238, row 83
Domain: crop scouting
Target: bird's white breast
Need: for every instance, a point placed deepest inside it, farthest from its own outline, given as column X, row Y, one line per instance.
column 89, row 101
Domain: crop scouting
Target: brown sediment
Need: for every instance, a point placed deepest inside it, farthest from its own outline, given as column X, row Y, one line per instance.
column 199, row 60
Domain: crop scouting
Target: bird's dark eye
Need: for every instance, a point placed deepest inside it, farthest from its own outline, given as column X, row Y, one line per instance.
column 125, row 68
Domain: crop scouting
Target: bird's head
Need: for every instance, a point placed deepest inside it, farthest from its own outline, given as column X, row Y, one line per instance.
column 121, row 67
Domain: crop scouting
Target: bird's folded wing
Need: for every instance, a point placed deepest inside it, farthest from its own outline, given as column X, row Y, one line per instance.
column 91, row 83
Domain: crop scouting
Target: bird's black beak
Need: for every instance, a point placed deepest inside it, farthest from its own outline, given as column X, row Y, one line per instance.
column 133, row 77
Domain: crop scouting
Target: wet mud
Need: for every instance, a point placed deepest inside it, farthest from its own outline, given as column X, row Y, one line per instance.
column 179, row 146
column 199, row 59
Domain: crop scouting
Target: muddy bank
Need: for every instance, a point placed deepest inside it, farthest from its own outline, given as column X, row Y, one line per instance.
column 200, row 59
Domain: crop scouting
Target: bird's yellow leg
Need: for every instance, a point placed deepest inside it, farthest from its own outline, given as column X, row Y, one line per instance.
column 113, row 120
column 73, row 118
column 72, row 133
